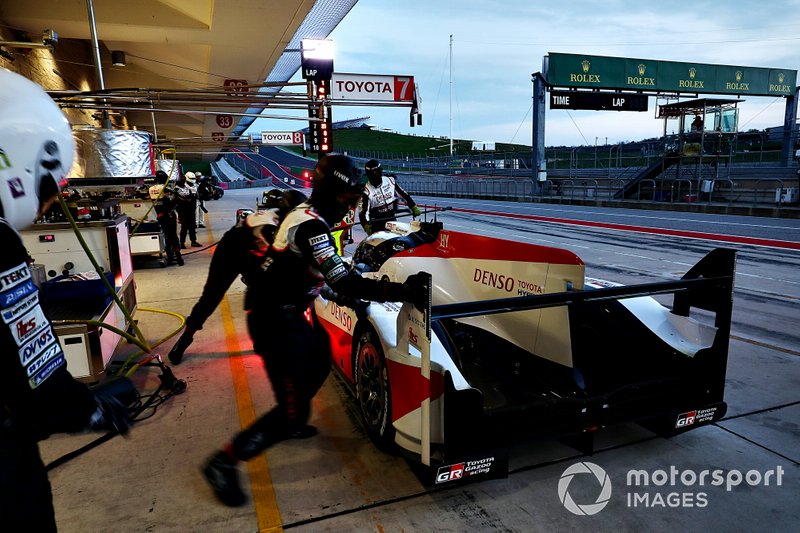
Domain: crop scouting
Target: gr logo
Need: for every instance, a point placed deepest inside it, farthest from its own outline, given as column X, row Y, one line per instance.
column 450, row 473
column 686, row 419
column 584, row 509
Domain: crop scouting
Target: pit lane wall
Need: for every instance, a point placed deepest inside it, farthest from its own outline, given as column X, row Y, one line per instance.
column 754, row 196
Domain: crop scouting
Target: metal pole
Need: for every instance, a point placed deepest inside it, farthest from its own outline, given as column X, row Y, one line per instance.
column 153, row 118
column 97, row 64
column 451, row 94
column 539, row 163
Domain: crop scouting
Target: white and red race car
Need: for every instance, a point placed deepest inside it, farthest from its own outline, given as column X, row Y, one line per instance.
column 517, row 337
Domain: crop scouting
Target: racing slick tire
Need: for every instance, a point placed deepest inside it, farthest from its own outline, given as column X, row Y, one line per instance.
column 372, row 389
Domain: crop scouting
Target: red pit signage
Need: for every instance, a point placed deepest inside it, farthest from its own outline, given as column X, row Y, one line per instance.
column 372, row 88
column 281, row 137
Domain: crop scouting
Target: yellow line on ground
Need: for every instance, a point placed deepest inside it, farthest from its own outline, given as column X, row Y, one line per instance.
column 266, row 504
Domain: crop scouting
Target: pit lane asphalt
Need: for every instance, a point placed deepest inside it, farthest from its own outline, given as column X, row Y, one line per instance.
column 339, row 481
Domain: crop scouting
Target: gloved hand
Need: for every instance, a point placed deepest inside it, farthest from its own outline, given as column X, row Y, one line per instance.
column 359, row 306
column 112, row 413
column 415, row 211
column 367, row 228
column 415, row 289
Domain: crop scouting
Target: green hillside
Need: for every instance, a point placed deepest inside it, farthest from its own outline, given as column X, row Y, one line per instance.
column 355, row 141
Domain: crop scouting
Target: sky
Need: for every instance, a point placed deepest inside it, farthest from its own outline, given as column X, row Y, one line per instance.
column 497, row 45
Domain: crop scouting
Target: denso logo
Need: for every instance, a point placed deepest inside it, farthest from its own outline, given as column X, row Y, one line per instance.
column 493, row 279
column 344, row 319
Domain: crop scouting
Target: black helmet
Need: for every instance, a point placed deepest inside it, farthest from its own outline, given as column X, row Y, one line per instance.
column 290, row 199
column 271, row 198
column 374, row 171
column 337, row 183
column 161, row 177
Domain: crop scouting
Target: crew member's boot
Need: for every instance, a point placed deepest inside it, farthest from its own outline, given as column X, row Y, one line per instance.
column 222, row 474
column 184, row 341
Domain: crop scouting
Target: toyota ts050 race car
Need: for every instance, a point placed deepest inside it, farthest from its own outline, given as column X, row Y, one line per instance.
column 517, row 339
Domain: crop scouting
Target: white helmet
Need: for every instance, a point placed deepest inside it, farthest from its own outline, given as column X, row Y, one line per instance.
column 190, row 177
column 36, row 148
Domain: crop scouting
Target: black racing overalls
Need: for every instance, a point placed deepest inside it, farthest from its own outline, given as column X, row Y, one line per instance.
column 168, row 220
column 37, row 394
column 295, row 353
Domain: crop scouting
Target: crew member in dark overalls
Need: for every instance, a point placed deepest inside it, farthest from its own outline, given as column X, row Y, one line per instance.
column 294, row 269
column 38, row 397
column 240, row 252
column 186, row 207
column 164, row 205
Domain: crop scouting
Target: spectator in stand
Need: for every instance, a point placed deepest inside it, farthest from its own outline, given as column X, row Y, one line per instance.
column 697, row 124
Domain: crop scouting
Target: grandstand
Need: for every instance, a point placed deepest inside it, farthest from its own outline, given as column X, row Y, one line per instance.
column 353, row 123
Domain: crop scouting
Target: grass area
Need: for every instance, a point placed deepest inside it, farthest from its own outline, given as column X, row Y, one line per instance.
column 360, row 141
column 389, row 145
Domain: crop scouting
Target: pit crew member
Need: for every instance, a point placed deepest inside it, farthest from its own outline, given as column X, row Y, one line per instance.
column 379, row 201
column 240, row 252
column 302, row 258
column 38, row 396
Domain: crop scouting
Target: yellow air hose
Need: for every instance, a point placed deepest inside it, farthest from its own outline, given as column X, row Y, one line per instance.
column 139, row 339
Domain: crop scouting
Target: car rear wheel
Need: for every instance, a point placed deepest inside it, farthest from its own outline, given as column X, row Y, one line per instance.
column 372, row 389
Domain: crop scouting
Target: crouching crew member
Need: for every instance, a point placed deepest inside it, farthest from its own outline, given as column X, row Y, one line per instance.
column 294, row 352
column 240, row 252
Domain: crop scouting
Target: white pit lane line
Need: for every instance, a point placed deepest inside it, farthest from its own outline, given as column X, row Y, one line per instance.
column 647, row 217
column 535, row 240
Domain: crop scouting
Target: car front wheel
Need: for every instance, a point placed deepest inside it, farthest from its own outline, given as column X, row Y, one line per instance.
column 372, row 389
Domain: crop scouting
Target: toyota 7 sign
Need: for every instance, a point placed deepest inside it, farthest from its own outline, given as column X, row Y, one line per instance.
column 372, row 88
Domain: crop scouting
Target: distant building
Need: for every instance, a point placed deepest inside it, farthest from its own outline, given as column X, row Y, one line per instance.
column 353, row 123
column 487, row 146
column 776, row 133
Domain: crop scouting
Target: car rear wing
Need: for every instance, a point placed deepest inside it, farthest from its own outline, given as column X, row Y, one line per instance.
column 708, row 285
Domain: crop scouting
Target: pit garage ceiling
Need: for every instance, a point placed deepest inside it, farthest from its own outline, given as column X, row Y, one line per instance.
column 186, row 44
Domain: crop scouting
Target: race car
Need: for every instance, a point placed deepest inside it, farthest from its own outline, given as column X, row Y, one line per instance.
column 518, row 340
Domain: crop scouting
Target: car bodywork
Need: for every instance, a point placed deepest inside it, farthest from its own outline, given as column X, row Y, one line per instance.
column 517, row 339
